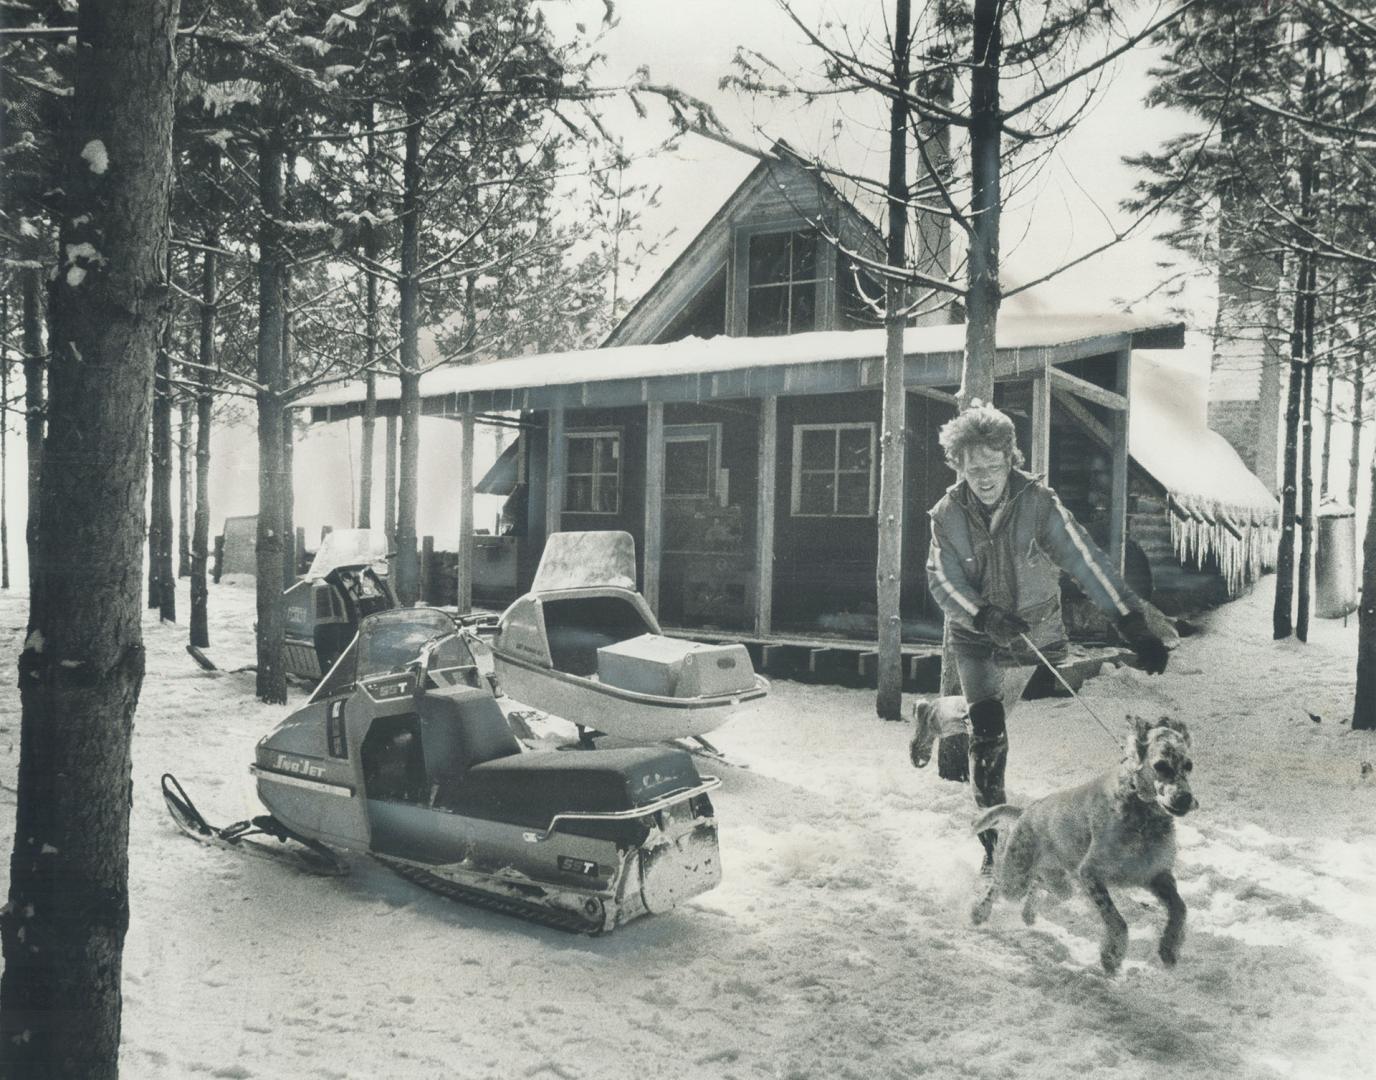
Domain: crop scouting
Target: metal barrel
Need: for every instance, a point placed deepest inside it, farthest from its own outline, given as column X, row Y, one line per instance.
column 1335, row 561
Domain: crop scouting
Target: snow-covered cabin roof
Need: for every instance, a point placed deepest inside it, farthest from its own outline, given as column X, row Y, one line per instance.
column 1170, row 438
column 1025, row 344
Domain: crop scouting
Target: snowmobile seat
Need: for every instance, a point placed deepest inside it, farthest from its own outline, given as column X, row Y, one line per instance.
column 530, row 789
column 459, row 732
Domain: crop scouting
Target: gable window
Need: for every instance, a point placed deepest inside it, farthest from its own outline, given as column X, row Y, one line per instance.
column 592, row 476
column 692, row 458
column 833, row 470
column 784, row 273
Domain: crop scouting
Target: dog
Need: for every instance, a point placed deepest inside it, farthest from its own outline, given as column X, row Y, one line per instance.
column 1118, row 829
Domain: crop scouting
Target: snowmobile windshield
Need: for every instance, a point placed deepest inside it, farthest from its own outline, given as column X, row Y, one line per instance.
column 348, row 547
column 390, row 640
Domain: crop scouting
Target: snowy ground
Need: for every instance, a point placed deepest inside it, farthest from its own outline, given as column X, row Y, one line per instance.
column 838, row 944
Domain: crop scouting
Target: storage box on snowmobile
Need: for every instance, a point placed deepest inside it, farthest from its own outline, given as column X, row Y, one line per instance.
column 672, row 667
column 584, row 645
column 403, row 752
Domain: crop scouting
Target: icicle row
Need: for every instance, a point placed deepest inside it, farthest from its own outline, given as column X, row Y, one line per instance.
column 1242, row 541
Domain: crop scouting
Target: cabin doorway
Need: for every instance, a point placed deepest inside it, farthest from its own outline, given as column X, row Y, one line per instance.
column 707, row 568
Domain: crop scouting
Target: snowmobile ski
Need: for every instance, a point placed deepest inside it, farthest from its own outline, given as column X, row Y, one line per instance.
column 301, row 852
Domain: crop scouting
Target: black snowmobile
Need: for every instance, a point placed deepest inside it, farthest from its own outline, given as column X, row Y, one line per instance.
column 403, row 752
column 347, row 581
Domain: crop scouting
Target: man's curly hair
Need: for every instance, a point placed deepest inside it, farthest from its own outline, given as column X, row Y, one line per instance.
column 979, row 425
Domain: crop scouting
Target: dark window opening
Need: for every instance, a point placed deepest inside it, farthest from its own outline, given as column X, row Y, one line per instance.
column 783, row 276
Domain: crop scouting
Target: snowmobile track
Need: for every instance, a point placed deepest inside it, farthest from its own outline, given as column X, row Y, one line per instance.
column 569, row 922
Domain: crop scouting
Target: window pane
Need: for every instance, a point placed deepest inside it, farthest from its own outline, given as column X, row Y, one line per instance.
column 815, row 493
column 607, row 495
column 578, row 494
column 819, row 449
column 767, row 311
column 579, row 454
column 855, row 449
column 768, row 258
column 804, row 255
column 853, row 493
column 608, row 447
column 802, row 310
column 685, row 468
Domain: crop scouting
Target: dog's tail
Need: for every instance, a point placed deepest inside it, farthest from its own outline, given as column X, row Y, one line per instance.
column 995, row 816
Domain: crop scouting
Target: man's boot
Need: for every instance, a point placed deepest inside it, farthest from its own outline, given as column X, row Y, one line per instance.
column 988, row 760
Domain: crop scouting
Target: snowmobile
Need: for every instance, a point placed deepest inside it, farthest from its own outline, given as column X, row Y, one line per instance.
column 583, row 644
column 403, row 752
column 347, row 581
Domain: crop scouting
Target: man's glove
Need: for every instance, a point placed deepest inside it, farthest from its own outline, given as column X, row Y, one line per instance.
column 1150, row 650
column 1001, row 625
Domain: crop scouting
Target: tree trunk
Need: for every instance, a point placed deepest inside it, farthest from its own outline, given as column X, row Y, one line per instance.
column 893, row 442
column 984, row 290
column 289, row 553
column 372, row 322
column 35, row 363
column 365, row 478
column 1364, row 702
column 407, row 583
column 288, row 490
column 162, row 586
column 272, row 680
column 1306, row 504
column 1358, row 394
column 1282, row 624
column 200, row 538
column 82, row 666
column 389, row 485
column 4, row 436
column 184, row 487
column 1327, row 435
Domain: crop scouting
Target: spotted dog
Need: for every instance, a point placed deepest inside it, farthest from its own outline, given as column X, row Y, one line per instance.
column 1118, row 829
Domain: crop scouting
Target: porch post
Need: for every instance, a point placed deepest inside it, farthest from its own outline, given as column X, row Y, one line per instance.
column 654, row 503
column 464, row 597
column 1118, row 425
column 764, row 514
column 554, row 471
column 389, row 490
column 1041, row 425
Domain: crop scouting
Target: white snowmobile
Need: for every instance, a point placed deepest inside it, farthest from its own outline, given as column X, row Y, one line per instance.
column 403, row 752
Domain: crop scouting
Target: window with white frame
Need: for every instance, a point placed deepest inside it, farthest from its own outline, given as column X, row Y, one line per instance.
column 783, row 275
column 692, row 460
column 592, row 473
column 833, row 470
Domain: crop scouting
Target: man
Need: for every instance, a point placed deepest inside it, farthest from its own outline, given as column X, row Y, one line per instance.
column 1000, row 538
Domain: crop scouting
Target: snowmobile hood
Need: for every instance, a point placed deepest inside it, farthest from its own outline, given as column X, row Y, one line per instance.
column 586, row 560
column 349, row 547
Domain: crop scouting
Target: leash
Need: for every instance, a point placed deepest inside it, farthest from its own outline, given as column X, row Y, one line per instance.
column 1061, row 679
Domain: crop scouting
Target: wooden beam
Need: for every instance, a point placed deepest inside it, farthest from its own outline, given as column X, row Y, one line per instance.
column 654, row 503
column 1082, row 416
column 555, row 455
column 464, row 595
column 935, row 394
column 1041, row 425
column 1118, row 424
column 1109, row 399
column 764, row 513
